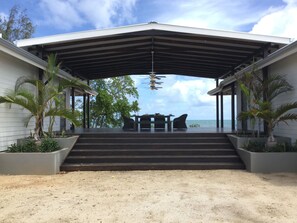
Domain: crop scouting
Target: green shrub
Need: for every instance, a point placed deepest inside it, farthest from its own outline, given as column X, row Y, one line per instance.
column 49, row 145
column 256, row 146
column 29, row 146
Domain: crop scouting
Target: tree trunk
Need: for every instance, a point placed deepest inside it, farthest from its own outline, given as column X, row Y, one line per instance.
column 38, row 128
column 271, row 141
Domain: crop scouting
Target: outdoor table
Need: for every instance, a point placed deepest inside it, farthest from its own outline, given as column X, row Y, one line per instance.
column 167, row 119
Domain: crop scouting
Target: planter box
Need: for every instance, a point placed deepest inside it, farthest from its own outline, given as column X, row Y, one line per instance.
column 239, row 142
column 36, row 163
column 269, row 162
column 265, row 162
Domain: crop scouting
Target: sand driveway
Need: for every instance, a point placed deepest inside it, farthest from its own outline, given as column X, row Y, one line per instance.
column 150, row 196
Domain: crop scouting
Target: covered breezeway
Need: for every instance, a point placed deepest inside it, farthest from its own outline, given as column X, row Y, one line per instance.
column 176, row 50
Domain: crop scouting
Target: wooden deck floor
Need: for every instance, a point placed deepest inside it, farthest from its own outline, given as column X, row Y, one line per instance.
column 151, row 131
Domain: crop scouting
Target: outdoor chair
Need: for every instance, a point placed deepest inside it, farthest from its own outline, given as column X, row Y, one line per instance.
column 180, row 122
column 145, row 122
column 129, row 123
column 159, row 122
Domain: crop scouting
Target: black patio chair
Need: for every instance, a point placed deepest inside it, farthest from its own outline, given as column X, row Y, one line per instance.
column 180, row 122
column 159, row 122
column 145, row 122
column 129, row 123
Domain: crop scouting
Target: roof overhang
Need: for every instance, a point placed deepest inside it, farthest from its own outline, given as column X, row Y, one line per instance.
column 29, row 58
column 272, row 58
column 177, row 50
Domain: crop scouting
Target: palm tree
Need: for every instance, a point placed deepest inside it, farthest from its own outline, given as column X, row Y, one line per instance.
column 45, row 102
column 263, row 92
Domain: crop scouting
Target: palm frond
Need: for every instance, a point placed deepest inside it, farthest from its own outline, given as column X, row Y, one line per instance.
column 25, row 80
column 282, row 109
column 27, row 120
column 287, row 117
column 19, row 99
column 65, row 113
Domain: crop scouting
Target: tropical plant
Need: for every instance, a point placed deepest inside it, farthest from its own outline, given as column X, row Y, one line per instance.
column 45, row 101
column 246, row 84
column 263, row 91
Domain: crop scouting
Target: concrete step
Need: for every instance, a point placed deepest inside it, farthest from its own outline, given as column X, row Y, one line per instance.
column 149, row 166
column 152, row 159
column 152, row 145
column 151, row 135
column 155, row 140
column 137, row 151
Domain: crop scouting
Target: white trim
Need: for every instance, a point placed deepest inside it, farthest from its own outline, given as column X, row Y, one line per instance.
column 272, row 58
column 60, row 38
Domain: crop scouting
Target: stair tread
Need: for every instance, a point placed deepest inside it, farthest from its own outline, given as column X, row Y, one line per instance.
column 155, row 156
column 151, row 149
column 155, row 163
column 152, row 143
column 221, row 137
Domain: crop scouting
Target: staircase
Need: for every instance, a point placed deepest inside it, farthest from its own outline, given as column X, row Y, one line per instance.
column 152, row 151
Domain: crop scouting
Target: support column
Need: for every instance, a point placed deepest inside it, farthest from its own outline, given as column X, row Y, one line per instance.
column 88, row 108
column 84, row 111
column 217, row 105
column 73, row 105
column 233, row 106
column 222, row 110
column 265, row 77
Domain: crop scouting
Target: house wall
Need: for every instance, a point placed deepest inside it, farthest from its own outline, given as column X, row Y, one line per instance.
column 287, row 67
column 11, row 119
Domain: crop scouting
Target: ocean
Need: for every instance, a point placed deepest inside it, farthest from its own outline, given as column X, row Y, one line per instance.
column 206, row 123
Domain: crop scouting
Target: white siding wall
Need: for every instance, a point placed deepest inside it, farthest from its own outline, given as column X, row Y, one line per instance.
column 287, row 67
column 11, row 119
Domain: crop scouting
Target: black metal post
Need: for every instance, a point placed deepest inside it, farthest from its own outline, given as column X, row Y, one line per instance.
column 217, row 106
column 222, row 110
column 84, row 111
column 265, row 77
column 88, row 108
column 233, row 106
column 73, row 105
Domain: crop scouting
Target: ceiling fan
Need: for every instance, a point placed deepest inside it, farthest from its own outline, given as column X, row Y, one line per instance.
column 154, row 77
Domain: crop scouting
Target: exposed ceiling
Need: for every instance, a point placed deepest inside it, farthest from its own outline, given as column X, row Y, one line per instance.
column 175, row 52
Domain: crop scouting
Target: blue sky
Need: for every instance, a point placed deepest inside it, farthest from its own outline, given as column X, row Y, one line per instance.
column 179, row 94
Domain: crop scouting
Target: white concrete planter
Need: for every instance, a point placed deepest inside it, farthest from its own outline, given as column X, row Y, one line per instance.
column 36, row 163
column 268, row 162
column 265, row 162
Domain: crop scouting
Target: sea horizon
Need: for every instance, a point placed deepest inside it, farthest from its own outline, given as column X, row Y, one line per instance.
column 196, row 123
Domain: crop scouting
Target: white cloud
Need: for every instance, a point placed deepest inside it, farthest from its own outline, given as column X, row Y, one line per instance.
column 219, row 14
column 280, row 23
column 67, row 14
column 180, row 95
column 3, row 15
column 61, row 14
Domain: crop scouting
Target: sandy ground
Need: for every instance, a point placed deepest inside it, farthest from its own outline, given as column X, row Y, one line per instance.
column 150, row 196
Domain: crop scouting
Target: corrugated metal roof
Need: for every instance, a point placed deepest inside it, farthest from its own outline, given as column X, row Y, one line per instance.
column 177, row 50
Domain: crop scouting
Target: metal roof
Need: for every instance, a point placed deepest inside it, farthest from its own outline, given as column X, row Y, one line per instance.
column 177, row 50
column 272, row 58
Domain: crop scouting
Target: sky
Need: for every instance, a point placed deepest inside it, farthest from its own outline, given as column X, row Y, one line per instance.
column 179, row 94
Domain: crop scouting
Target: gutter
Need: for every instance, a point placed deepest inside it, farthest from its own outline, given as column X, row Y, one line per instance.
column 270, row 59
